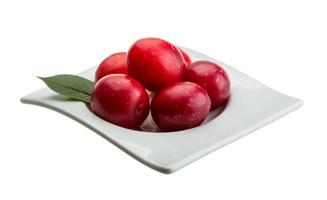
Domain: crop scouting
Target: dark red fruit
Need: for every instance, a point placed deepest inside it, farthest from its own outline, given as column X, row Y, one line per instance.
column 113, row 64
column 186, row 57
column 180, row 106
column 155, row 63
column 121, row 100
column 212, row 78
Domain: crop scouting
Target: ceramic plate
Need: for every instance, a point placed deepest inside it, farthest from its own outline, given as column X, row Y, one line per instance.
column 251, row 106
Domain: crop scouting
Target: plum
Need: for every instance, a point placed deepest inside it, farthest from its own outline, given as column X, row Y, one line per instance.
column 180, row 106
column 186, row 57
column 155, row 63
column 121, row 100
column 113, row 64
column 212, row 78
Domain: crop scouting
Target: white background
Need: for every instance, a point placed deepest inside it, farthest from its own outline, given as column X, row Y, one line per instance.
column 44, row 155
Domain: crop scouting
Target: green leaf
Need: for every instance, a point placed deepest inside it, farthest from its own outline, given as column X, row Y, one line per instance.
column 72, row 86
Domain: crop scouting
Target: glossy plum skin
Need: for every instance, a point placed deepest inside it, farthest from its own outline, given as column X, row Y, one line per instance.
column 155, row 63
column 186, row 57
column 212, row 78
column 121, row 100
column 113, row 64
column 180, row 106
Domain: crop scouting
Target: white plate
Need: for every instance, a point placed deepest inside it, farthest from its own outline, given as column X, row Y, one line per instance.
column 251, row 106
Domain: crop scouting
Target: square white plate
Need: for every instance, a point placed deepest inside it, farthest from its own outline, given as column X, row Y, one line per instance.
column 251, row 106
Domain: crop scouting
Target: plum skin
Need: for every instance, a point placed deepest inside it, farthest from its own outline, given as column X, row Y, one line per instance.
column 121, row 100
column 113, row 64
column 180, row 106
column 155, row 63
column 212, row 78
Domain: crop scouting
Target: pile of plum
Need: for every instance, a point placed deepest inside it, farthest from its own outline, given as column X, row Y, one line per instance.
column 155, row 75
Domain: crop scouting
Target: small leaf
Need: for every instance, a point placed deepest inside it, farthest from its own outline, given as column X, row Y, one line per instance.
column 72, row 86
